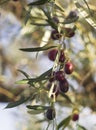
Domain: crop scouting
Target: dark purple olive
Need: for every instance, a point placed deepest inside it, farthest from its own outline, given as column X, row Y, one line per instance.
column 68, row 68
column 64, row 86
column 50, row 114
column 52, row 54
column 75, row 117
column 55, row 35
column 59, row 75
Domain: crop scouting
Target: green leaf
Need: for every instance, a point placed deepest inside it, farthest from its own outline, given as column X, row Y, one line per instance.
column 17, row 103
column 66, row 97
column 47, row 73
column 50, row 20
column 88, row 7
column 38, row 107
column 24, row 81
column 59, row 6
column 24, row 73
column 39, row 24
column 27, row 15
column 30, row 80
column 41, row 77
column 37, row 48
column 39, row 2
column 81, row 127
column 40, row 121
column 64, row 123
column 38, row 79
column 35, row 111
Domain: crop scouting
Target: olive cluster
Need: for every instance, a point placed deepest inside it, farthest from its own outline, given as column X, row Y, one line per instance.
column 59, row 77
column 65, row 31
column 57, row 80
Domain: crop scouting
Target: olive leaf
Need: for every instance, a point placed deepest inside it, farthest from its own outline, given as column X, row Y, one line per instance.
column 26, row 14
column 81, row 127
column 30, row 80
column 87, row 6
column 38, row 107
column 39, row 24
column 40, row 120
column 37, row 48
column 17, row 103
column 47, row 73
column 39, row 2
column 37, row 79
column 59, row 6
column 49, row 19
column 23, row 81
column 26, row 95
column 66, row 97
column 64, row 123
column 24, row 73
column 41, row 77
column 35, row 111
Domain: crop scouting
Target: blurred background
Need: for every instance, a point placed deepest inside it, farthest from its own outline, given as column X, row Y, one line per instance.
column 15, row 34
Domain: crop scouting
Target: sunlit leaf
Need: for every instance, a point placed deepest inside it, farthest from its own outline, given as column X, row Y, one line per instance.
column 35, row 111
column 38, row 107
column 23, row 81
column 37, row 48
column 64, row 123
